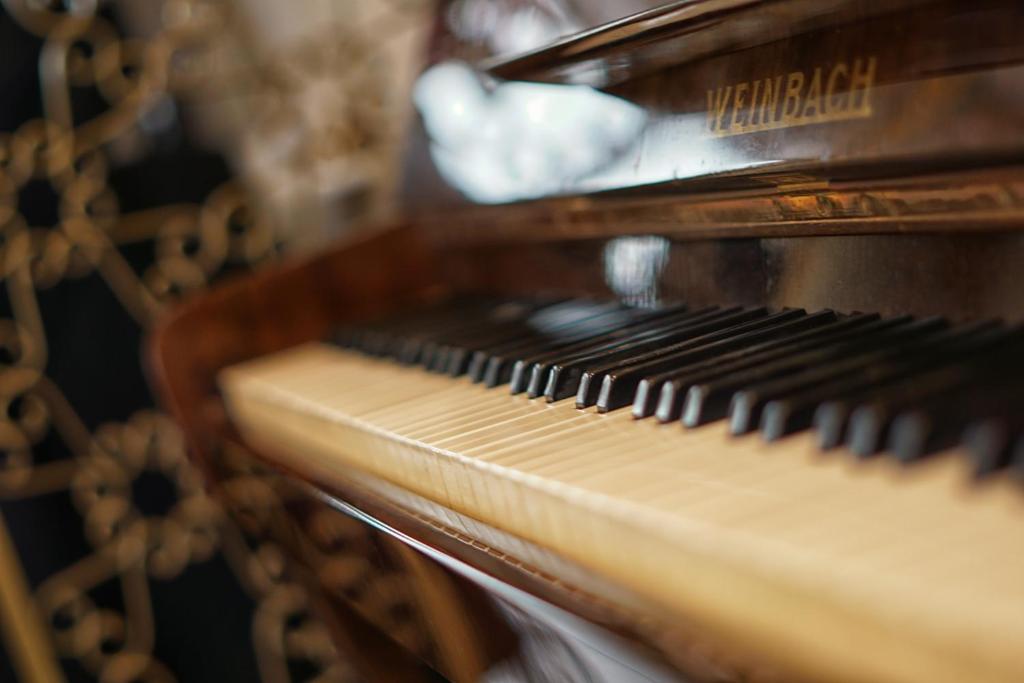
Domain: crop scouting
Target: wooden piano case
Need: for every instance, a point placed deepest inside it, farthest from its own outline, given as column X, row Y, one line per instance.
column 915, row 207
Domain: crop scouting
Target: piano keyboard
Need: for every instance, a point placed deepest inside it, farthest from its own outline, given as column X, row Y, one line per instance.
column 716, row 461
column 902, row 386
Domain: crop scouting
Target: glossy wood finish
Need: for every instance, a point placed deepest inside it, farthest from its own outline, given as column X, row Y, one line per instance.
column 278, row 308
column 681, row 31
column 915, row 208
column 782, row 93
column 961, row 276
column 783, row 205
column 244, row 320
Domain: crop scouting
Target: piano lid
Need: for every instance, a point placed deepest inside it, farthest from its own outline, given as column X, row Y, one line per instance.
column 727, row 94
column 501, row 30
column 677, row 32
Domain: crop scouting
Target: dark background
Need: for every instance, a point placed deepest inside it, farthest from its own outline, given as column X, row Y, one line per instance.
column 203, row 619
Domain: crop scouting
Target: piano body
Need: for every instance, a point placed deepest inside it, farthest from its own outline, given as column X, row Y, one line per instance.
column 782, row 241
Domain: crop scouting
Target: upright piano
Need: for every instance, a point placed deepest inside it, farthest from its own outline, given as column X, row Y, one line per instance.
column 697, row 354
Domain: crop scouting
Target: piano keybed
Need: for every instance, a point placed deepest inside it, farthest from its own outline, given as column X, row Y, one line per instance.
column 686, row 506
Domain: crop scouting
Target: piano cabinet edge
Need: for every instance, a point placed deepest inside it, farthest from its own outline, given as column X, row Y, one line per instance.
column 500, row 611
column 253, row 315
column 962, row 275
column 258, row 313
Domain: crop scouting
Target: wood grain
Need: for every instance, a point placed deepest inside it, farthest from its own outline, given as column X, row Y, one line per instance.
column 805, row 560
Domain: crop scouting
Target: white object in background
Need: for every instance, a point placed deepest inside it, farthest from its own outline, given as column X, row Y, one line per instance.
column 520, row 140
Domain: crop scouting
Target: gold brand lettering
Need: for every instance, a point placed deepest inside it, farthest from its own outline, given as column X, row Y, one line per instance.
column 832, row 92
column 711, row 110
column 791, row 105
column 838, row 71
column 862, row 77
column 770, row 101
column 753, row 103
column 721, row 105
column 812, row 103
column 738, row 103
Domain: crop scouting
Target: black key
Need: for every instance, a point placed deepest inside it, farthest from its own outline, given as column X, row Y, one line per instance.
column 869, row 424
column 989, row 442
column 1016, row 465
column 549, row 326
column 672, row 397
column 618, row 388
column 458, row 349
column 795, row 412
column 711, row 400
column 746, row 404
column 563, row 377
column 831, row 417
column 829, row 423
column 648, row 391
column 591, row 378
column 939, row 423
column 529, row 374
column 507, row 321
column 454, row 356
column 380, row 337
column 499, row 366
column 937, row 390
column 414, row 341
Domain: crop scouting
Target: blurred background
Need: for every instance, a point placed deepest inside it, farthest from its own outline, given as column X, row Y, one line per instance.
column 148, row 148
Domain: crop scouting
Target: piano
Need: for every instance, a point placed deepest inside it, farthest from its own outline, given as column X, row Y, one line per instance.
column 696, row 354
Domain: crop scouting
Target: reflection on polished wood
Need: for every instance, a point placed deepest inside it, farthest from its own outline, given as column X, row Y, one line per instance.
column 766, row 91
column 794, row 153
column 915, row 567
column 794, row 204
